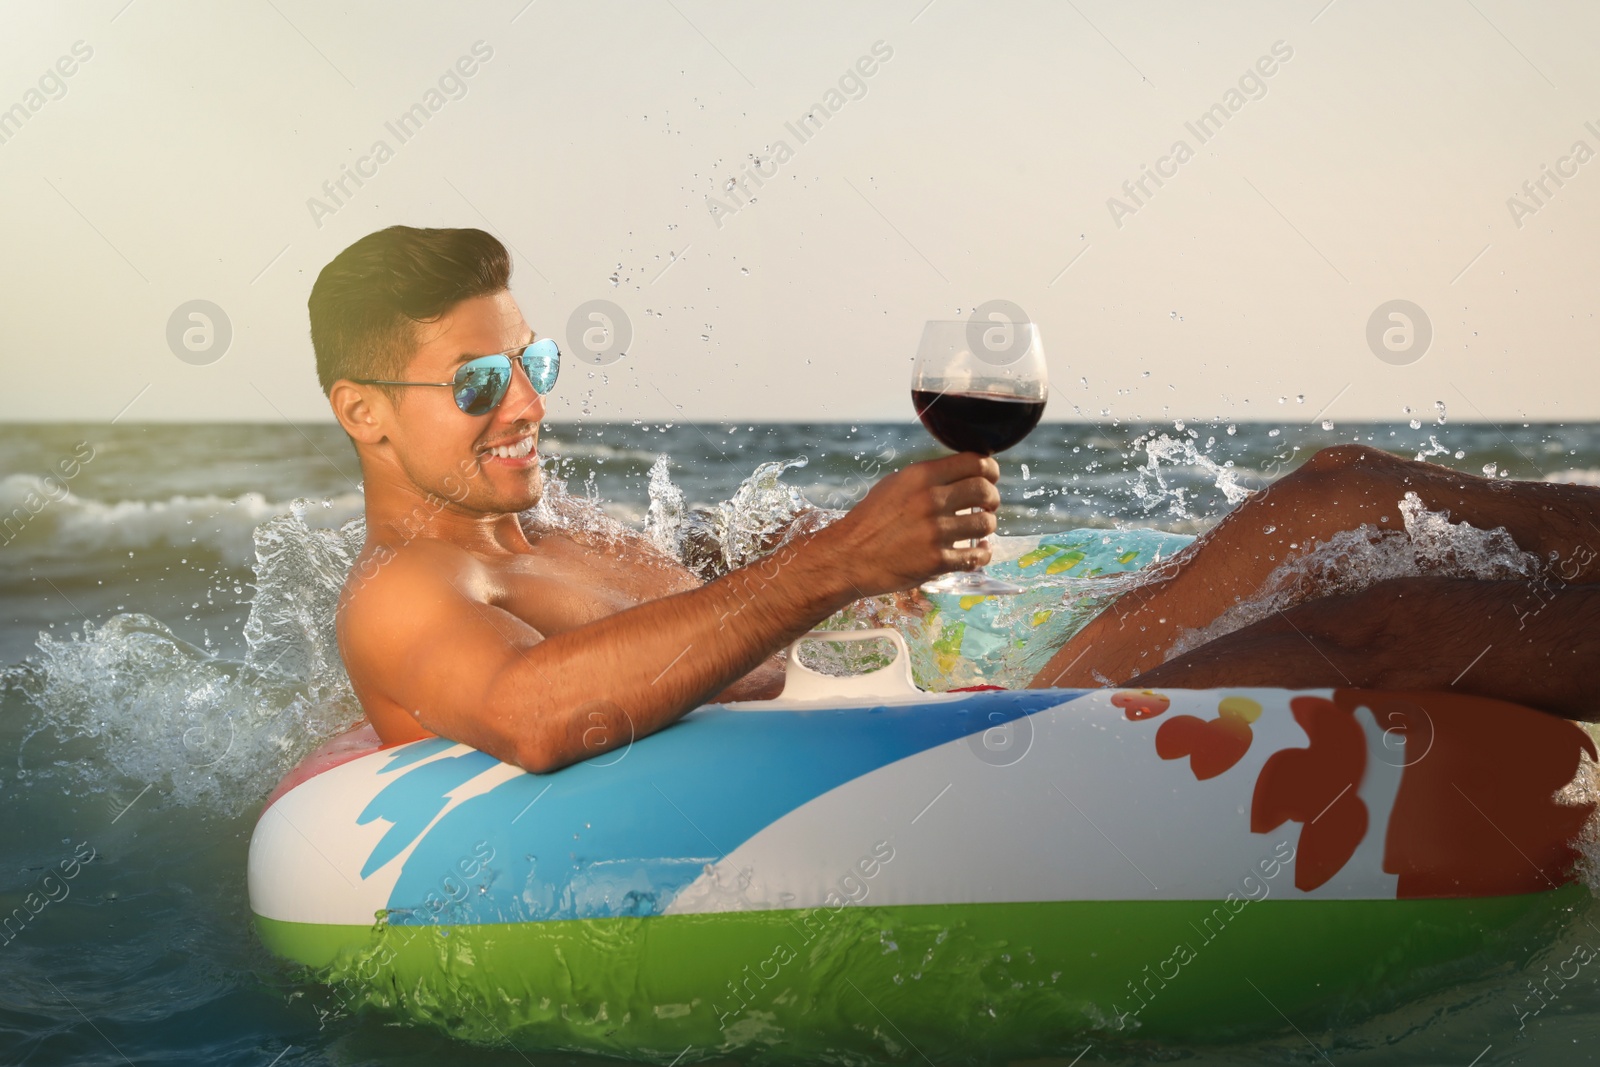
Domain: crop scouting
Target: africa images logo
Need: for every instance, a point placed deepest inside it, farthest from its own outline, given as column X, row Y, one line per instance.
column 52, row 85
column 852, row 85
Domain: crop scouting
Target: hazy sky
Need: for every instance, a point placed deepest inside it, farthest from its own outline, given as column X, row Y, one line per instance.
column 184, row 158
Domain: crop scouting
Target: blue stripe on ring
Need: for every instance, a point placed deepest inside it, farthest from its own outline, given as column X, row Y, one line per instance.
column 623, row 834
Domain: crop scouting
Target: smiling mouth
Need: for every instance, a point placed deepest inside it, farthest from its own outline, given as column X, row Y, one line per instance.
column 517, row 449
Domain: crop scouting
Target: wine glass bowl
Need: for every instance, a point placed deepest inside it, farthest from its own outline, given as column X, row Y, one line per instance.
column 978, row 386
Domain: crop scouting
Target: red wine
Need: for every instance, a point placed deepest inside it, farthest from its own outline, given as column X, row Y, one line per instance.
column 976, row 422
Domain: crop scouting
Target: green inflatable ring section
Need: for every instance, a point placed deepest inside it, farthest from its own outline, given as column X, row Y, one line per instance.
column 945, row 980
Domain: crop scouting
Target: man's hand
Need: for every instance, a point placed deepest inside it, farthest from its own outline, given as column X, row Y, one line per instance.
column 903, row 531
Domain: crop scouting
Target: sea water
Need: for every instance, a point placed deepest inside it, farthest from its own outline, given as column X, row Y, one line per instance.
column 167, row 635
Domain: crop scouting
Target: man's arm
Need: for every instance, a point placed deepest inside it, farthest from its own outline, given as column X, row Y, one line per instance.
column 423, row 633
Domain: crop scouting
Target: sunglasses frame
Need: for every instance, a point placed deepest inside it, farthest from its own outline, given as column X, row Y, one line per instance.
column 544, row 344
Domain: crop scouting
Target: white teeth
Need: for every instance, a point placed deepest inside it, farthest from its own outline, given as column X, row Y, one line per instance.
column 514, row 451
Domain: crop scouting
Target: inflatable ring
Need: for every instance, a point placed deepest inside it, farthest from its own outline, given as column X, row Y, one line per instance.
column 860, row 865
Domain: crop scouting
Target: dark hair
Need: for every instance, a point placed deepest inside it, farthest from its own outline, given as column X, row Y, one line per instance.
column 367, row 301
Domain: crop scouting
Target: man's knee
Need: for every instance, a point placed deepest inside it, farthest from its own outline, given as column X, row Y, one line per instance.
column 1340, row 473
column 1336, row 458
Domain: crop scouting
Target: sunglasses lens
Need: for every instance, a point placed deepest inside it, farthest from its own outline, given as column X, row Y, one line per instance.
column 482, row 383
column 542, row 361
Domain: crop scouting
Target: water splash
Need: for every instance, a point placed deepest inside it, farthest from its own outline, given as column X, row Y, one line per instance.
column 758, row 518
column 1352, row 560
column 299, row 573
column 581, row 518
column 1585, row 789
column 209, row 733
column 664, row 519
column 1152, row 488
column 1431, row 449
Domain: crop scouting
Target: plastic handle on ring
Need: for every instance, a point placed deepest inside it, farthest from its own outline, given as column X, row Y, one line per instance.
column 892, row 681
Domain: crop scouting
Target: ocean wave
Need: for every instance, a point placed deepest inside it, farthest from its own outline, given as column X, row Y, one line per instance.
column 1580, row 476
column 34, row 509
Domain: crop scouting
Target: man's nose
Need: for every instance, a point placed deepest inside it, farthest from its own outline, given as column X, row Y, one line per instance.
column 522, row 401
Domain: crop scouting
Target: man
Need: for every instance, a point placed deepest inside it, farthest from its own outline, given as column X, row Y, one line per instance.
column 543, row 649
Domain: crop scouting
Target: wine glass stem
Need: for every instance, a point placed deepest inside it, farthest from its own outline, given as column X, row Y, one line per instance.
column 971, row 542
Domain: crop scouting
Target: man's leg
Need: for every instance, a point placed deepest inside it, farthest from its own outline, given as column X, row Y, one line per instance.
column 1337, row 489
column 1539, row 648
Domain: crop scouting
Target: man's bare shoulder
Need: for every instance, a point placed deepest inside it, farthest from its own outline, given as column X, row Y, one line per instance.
column 404, row 605
column 407, row 578
column 416, row 631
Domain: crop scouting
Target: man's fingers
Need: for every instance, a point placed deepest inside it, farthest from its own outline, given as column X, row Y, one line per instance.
column 967, row 527
column 908, row 524
column 966, row 559
column 968, row 493
column 960, row 466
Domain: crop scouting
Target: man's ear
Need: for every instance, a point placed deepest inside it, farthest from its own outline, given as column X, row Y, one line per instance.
column 363, row 411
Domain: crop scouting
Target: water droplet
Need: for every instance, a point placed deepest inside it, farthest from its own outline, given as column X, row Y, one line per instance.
column 744, row 270
column 1327, row 424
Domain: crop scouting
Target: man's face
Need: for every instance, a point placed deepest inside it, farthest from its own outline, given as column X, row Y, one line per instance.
column 452, row 454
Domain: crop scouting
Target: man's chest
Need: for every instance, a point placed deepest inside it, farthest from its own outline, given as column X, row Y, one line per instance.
column 565, row 585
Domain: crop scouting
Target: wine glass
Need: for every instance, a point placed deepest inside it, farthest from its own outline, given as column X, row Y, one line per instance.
column 979, row 385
